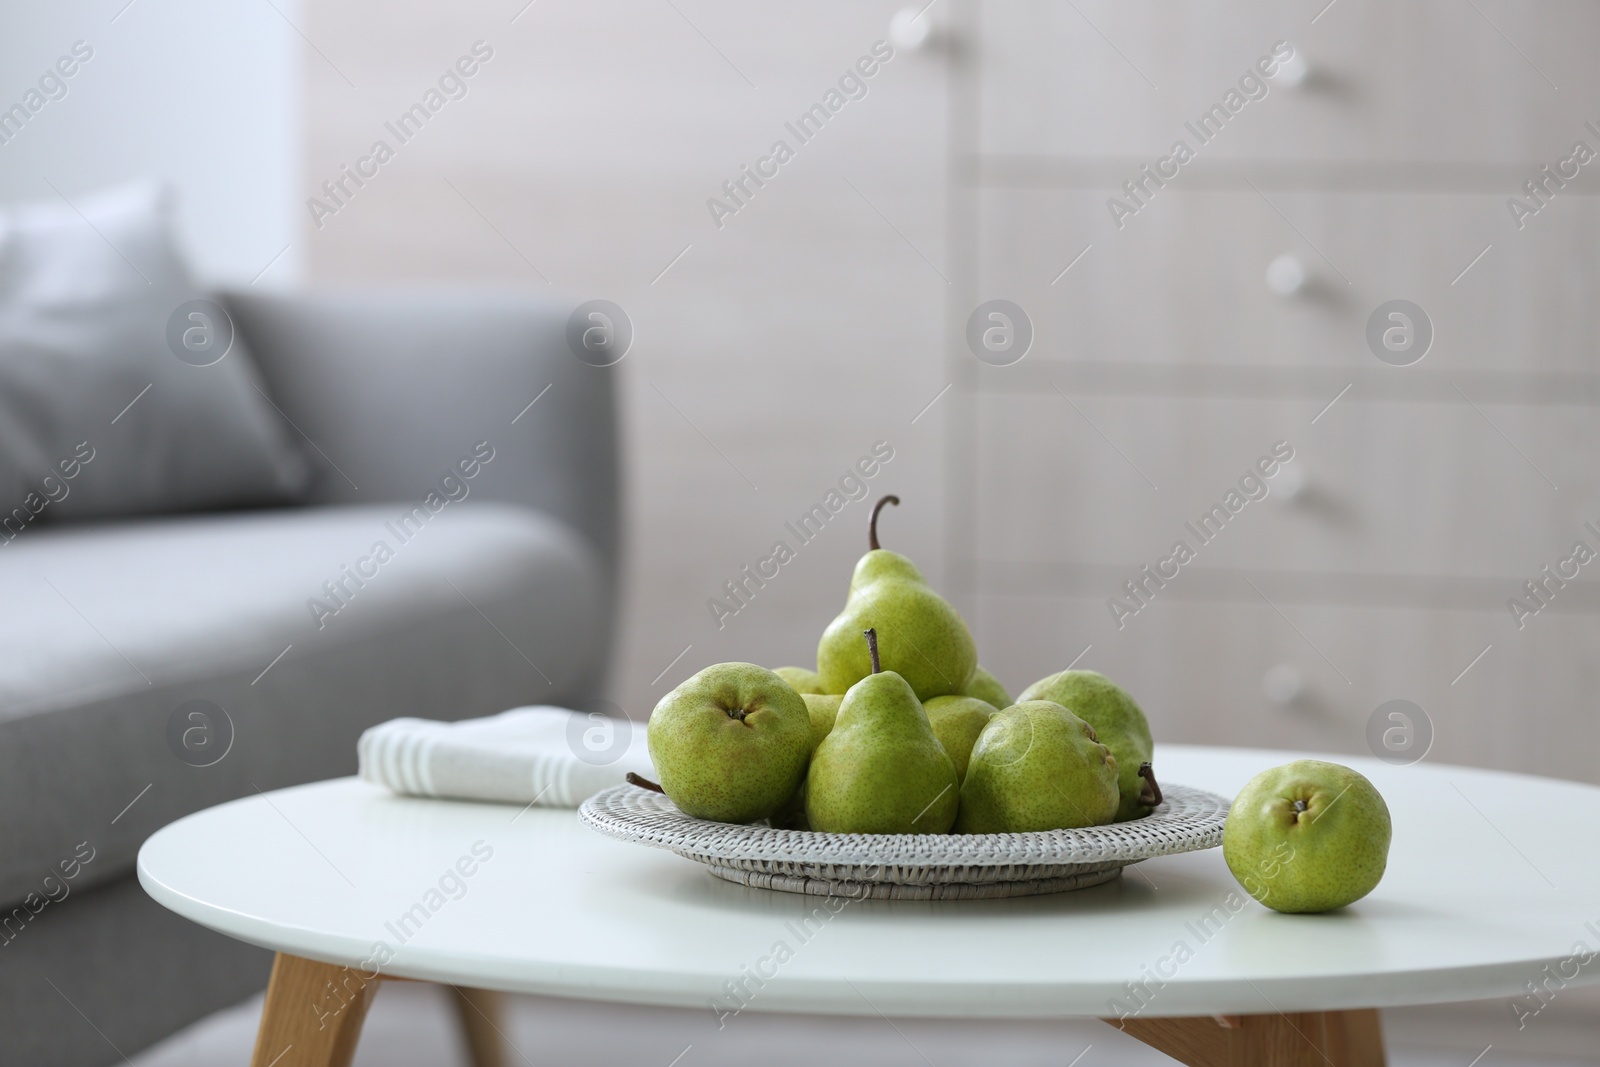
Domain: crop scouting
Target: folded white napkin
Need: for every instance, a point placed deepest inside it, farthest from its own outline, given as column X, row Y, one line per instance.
column 545, row 755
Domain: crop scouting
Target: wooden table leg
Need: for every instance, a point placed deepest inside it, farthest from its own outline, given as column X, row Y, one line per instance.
column 313, row 1014
column 1295, row 1039
column 482, row 1023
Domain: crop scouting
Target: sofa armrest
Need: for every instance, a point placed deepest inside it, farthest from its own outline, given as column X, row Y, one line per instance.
column 396, row 386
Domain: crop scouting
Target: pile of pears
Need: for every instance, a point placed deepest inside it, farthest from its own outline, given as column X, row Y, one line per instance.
column 900, row 731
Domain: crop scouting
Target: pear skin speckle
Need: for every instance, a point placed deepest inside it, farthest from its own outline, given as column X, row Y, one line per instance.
column 800, row 679
column 987, row 687
column 1308, row 836
column 1117, row 720
column 957, row 722
column 1037, row 766
column 881, row 770
column 731, row 744
column 824, row 710
column 920, row 636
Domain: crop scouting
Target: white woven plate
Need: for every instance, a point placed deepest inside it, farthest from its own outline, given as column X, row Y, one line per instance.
column 911, row 866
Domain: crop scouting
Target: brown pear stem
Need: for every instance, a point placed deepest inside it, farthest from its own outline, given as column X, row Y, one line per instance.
column 643, row 783
column 1150, row 795
column 872, row 523
column 872, row 649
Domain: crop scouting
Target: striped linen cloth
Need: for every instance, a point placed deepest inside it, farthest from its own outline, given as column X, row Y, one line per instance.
column 542, row 755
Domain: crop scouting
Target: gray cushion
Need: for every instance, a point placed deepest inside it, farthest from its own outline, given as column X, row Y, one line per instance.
column 395, row 384
column 135, row 971
column 115, row 626
column 85, row 305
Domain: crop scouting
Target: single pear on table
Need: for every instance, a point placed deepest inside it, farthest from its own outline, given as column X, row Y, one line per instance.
column 987, row 687
column 801, row 680
column 1118, row 723
column 920, row 636
column 1037, row 766
column 881, row 770
column 1308, row 836
column 731, row 743
column 957, row 722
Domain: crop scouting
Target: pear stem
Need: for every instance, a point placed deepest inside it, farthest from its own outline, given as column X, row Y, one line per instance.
column 872, row 649
column 643, row 783
column 1150, row 795
column 872, row 524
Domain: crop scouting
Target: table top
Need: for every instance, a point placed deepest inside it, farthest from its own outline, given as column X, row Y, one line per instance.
column 1491, row 878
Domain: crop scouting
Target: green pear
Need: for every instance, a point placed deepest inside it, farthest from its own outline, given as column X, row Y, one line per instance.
column 957, row 722
column 881, row 770
column 1037, row 766
column 921, row 637
column 731, row 743
column 801, row 680
column 987, row 687
column 1307, row 836
column 1117, row 722
column 824, row 711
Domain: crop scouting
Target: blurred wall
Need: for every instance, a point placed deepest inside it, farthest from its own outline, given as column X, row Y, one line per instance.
column 1220, row 317
column 1175, row 345
column 771, row 351
column 203, row 94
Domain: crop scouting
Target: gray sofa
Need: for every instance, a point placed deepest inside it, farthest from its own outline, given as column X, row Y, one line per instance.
column 500, row 595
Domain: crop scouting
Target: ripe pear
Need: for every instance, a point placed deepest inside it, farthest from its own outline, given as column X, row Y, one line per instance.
column 921, row 637
column 1119, row 725
column 1037, row 766
column 824, row 711
column 1307, row 836
column 957, row 722
column 801, row 680
column 987, row 687
column 731, row 743
column 881, row 770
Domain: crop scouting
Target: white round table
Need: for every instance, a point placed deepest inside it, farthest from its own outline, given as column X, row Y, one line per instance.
column 1490, row 880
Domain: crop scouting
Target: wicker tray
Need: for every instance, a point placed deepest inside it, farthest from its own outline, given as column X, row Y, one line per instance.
column 911, row 866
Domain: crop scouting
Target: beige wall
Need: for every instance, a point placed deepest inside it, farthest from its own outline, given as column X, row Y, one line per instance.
column 781, row 346
column 769, row 358
column 1431, row 492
